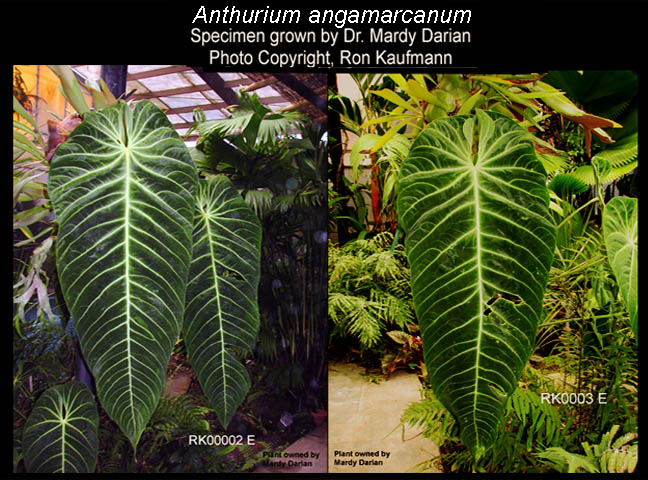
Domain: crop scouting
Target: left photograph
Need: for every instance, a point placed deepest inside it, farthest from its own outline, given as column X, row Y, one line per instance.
column 169, row 270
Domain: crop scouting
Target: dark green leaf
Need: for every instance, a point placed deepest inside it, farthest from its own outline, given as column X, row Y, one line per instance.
column 222, row 310
column 60, row 435
column 473, row 202
column 122, row 188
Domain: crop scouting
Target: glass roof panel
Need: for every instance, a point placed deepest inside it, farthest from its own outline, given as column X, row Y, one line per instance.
column 184, row 100
column 165, row 82
column 145, row 68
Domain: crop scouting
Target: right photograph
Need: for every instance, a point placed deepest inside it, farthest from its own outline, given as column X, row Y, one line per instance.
column 483, row 272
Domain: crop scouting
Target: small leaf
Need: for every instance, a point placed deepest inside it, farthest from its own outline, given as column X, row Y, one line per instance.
column 71, row 88
column 394, row 98
column 400, row 337
column 60, row 435
column 361, row 147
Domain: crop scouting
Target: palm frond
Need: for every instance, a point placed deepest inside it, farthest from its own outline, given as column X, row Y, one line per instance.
column 553, row 163
column 431, row 417
column 277, row 125
column 250, row 124
column 260, row 201
column 585, row 173
column 622, row 152
column 564, row 185
column 357, row 316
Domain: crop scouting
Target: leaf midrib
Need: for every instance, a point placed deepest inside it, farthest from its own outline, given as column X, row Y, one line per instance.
column 127, row 207
column 218, row 303
column 481, row 298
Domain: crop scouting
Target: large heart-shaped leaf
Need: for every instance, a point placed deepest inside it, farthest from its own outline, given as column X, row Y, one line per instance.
column 473, row 201
column 222, row 310
column 60, row 435
column 123, row 187
column 620, row 225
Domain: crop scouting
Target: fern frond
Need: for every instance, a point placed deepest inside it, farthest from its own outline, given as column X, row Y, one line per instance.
column 429, row 414
column 357, row 316
column 365, row 324
column 540, row 420
column 180, row 413
column 384, row 265
column 617, row 457
column 397, row 311
column 564, row 461
column 369, row 288
column 606, row 457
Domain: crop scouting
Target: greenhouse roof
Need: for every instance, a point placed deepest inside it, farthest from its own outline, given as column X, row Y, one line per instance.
column 179, row 89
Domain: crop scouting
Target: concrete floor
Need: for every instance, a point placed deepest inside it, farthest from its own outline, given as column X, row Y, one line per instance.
column 364, row 418
column 306, row 455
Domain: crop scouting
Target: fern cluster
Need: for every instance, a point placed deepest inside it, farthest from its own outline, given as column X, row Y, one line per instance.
column 180, row 414
column 528, row 422
column 368, row 289
column 620, row 456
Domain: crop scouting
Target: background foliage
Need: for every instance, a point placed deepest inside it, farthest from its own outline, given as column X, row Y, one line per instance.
column 277, row 164
column 584, row 127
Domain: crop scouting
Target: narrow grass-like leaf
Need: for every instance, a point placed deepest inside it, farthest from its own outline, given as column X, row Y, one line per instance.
column 60, row 435
column 222, row 310
column 473, row 201
column 122, row 187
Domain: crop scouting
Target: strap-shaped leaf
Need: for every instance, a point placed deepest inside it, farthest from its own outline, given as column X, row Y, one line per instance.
column 60, row 435
column 123, row 187
column 620, row 225
column 222, row 310
column 473, row 202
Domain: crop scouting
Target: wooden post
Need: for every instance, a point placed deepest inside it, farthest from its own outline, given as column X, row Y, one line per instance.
column 115, row 78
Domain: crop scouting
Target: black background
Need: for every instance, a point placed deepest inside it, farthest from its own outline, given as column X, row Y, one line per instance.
column 506, row 36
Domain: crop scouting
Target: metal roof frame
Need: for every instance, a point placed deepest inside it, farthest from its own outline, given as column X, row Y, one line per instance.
column 179, row 89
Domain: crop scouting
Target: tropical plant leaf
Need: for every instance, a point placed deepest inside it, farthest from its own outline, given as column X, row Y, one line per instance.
column 122, row 188
column 473, row 202
column 565, row 184
column 585, row 173
column 620, row 224
column 361, row 147
column 222, row 310
column 252, row 121
column 622, row 152
column 60, row 435
column 70, row 87
column 621, row 158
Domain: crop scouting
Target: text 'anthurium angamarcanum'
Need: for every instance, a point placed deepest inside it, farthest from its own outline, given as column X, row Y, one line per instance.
column 473, row 201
